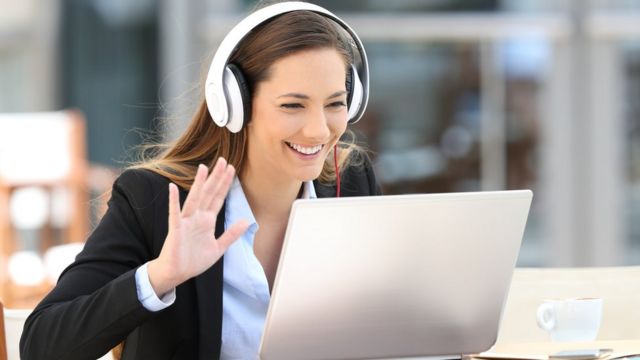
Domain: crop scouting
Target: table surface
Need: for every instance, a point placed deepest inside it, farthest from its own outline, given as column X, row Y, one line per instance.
column 541, row 350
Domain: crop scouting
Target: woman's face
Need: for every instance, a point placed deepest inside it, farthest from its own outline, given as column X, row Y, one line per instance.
column 299, row 113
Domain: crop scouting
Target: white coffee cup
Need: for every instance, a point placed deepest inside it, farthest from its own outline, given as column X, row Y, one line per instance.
column 571, row 319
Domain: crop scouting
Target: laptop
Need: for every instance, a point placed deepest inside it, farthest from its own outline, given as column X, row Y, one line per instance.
column 394, row 276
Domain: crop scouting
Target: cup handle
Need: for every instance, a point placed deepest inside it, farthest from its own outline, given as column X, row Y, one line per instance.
column 546, row 316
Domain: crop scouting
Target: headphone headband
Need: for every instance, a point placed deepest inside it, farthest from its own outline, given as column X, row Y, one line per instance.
column 217, row 99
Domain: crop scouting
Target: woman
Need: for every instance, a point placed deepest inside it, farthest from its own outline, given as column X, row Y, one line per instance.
column 158, row 282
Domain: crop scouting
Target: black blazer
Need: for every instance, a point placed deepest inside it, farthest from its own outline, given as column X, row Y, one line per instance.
column 95, row 306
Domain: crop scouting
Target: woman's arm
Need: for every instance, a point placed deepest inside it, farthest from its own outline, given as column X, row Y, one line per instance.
column 94, row 304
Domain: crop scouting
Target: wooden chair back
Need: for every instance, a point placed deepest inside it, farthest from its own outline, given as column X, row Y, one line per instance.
column 3, row 337
column 45, row 150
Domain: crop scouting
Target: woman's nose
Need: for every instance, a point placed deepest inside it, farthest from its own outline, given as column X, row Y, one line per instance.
column 317, row 126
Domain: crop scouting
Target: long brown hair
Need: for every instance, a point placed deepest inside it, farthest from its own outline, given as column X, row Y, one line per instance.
column 203, row 141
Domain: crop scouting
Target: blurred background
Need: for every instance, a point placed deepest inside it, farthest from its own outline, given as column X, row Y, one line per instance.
column 466, row 95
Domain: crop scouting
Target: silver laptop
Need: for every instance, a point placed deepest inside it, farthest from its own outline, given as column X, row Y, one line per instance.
column 394, row 276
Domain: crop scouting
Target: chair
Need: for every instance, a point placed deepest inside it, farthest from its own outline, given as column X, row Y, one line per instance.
column 3, row 337
column 11, row 324
column 42, row 157
column 44, row 150
column 619, row 287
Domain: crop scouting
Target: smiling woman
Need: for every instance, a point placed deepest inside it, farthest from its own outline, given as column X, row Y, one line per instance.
column 290, row 85
column 299, row 113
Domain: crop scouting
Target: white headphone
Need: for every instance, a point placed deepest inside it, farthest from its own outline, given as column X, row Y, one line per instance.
column 226, row 91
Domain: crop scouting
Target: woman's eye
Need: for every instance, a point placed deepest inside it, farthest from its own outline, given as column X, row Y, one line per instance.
column 292, row 106
column 337, row 104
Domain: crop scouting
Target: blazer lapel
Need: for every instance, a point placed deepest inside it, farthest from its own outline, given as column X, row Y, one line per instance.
column 209, row 297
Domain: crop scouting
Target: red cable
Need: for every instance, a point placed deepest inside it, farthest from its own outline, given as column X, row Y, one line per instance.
column 335, row 162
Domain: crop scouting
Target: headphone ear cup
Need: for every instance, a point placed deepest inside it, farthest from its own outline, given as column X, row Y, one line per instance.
column 355, row 93
column 349, row 86
column 238, row 98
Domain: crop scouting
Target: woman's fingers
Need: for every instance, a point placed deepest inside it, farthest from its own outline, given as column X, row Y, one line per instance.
column 221, row 191
column 232, row 234
column 174, row 207
column 213, row 182
column 193, row 199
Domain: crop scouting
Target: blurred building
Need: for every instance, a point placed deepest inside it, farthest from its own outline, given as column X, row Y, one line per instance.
column 465, row 96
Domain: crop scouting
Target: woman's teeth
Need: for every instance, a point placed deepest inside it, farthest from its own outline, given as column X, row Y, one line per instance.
column 305, row 150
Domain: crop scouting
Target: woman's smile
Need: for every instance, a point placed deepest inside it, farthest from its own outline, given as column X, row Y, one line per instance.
column 305, row 150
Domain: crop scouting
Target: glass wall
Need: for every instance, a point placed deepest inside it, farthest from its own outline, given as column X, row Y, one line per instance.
column 425, row 122
column 452, row 110
column 488, row 95
column 465, row 96
column 111, row 74
column 631, row 111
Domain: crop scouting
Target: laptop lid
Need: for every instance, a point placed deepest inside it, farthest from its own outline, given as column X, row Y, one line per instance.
column 394, row 276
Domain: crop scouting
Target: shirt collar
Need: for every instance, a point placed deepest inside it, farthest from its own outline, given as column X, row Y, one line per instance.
column 238, row 207
column 308, row 191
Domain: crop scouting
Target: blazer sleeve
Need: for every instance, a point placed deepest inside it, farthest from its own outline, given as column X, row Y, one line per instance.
column 94, row 305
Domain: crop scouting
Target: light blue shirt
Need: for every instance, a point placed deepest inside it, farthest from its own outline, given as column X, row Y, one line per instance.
column 245, row 294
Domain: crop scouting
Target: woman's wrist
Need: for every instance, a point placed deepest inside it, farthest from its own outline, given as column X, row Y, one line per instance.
column 160, row 282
